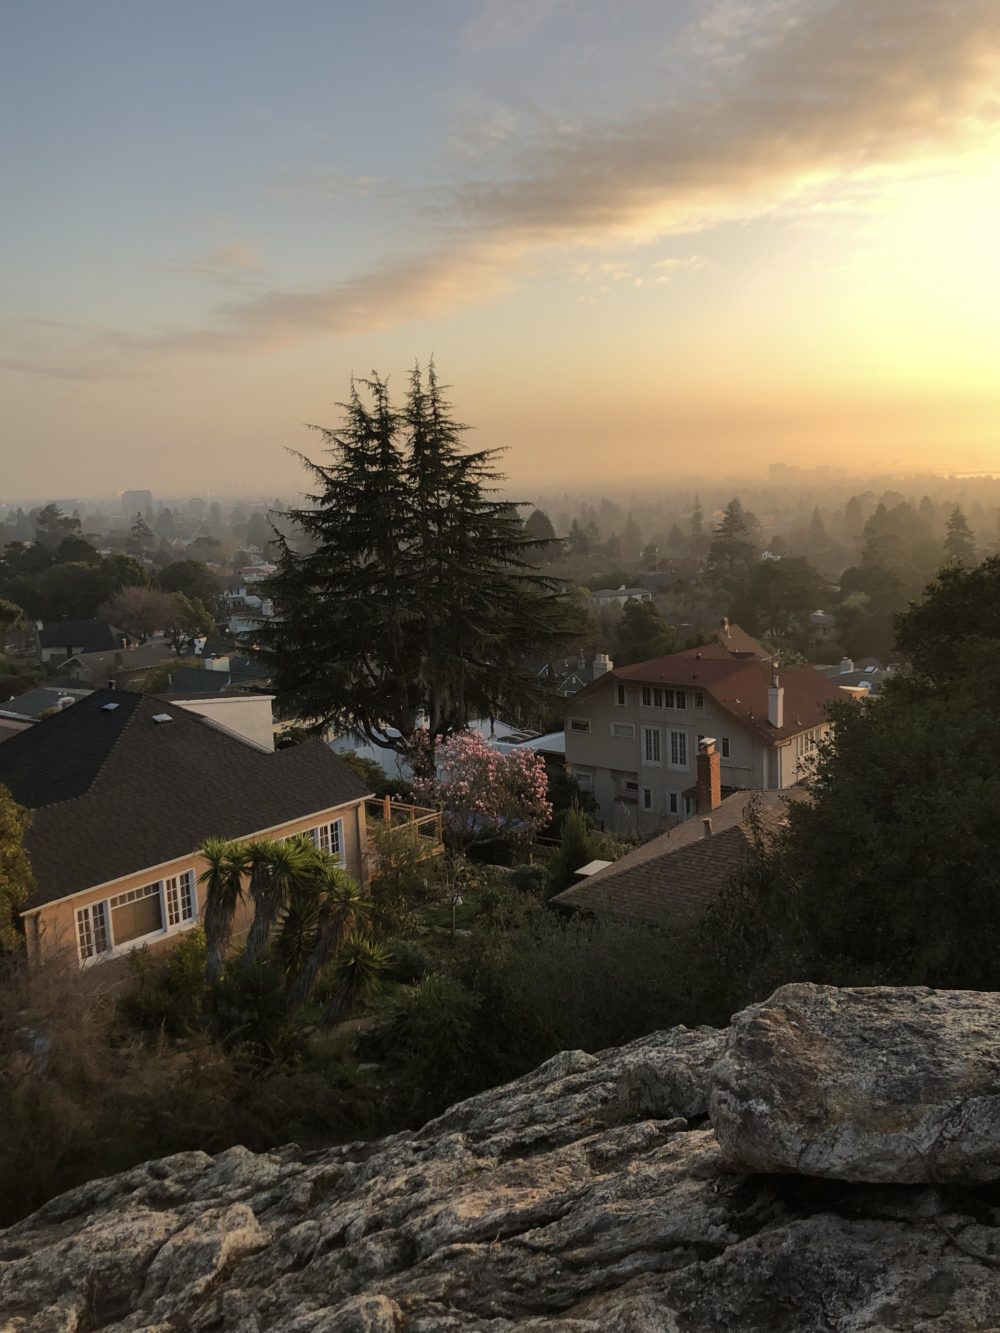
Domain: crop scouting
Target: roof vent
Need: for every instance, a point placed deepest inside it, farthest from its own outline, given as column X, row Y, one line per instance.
column 161, row 717
column 109, row 708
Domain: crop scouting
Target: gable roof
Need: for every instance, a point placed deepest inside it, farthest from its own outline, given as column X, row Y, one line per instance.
column 674, row 877
column 102, row 665
column 738, row 685
column 87, row 636
column 114, row 792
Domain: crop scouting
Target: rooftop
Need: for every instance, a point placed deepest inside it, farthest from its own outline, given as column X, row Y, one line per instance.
column 115, row 790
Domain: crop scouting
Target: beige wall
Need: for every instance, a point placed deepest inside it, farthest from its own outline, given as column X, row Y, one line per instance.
column 247, row 715
column 615, row 762
column 51, row 929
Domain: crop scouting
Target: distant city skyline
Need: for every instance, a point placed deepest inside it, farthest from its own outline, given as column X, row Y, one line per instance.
column 642, row 241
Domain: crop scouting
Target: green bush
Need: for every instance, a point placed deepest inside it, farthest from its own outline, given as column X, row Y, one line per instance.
column 529, row 879
column 168, row 992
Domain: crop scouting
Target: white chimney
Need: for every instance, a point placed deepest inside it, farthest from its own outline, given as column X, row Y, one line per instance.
column 602, row 664
column 776, row 700
column 846, row 666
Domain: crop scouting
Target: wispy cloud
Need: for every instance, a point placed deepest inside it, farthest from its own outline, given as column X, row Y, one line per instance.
column 825, row 92
column 232, row 265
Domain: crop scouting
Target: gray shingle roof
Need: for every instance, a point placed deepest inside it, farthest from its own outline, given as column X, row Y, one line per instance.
column 114, row 792
column 674, row 877
column 86, row 636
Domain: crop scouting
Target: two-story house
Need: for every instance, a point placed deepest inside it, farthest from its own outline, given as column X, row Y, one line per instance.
column 632, row 736
column 125, row 788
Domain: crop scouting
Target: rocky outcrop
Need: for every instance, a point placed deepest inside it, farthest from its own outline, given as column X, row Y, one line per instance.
column 590, row 1195
column 897, row 1086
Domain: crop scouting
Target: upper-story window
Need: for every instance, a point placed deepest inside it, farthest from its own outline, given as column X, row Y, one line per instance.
column 678, row 749
column 699, row 699
column 579, row 724
column 623, row 730
column 725, row 747
column 657, row 698
column 647, row 696
column 680, row 699
column 651, row 753
column 668, row 698
column 620, row 697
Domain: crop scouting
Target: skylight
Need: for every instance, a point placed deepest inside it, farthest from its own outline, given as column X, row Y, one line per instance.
column 160, row 717
column 109, row 708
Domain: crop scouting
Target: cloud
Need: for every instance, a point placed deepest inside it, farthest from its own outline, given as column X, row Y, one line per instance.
column 797, row 103
column 231, row 265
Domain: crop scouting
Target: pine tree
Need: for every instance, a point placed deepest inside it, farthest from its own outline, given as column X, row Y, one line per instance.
column 418, row 593
column 733, row 550
column 959, row 543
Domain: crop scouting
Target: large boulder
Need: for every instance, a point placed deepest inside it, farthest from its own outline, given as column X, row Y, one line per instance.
column 589, row 1195
column 871, row 1084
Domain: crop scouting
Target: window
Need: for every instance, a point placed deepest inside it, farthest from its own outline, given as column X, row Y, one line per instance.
column 647, row 798
column 668, row 698
column 725, row 747
column 699, row 699
column 584, row 778
column 672, row 804
column 328, row 838
column 137, row 913
column 579, row 724
column 620, row 696
column 647, row 696
column 179, row 894
column 623, row 730
column 688, row 805
column 92, row 931
column 651, row 746
column 681, row 698
column 678, row 749
column 657, row 698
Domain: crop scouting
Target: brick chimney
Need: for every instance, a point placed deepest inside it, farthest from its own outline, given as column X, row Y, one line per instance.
column 776, row 700
column 709, row 765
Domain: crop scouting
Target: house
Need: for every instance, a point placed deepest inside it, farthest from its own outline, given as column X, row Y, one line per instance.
column 43, row 699
column 124, row 789
column 67, row 638
column 632, row 736
column 823, row 625
column 12, row 724
column 120, row 665
column 569, row 674
column 673, row 878
column 619, row 596
column 860, row 679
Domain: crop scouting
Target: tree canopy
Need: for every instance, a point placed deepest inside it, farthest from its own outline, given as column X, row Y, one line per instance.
column 642, row 633
column 413, row 588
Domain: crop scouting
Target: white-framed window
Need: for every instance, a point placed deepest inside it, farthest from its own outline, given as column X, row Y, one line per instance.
column 657, row 698
column 584, row 778
column 651, row 754
column 668, row 698
column 623, row 730
column 680, row 699
column 92, row 931
column 678, row 749
column 673, row 802
column 647, row 798
column 128, row 919
column 621, row 698
column 328, row 838
column 647, row 696
column 725, row 747
column 699, row 699
column 579, row 724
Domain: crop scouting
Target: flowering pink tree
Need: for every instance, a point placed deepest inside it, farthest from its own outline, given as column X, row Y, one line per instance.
column 485, row 794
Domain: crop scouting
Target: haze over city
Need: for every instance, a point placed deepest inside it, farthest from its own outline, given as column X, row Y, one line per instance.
column 641, row 240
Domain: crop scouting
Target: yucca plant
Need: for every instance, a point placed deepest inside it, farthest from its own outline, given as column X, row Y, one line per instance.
column 357, row 975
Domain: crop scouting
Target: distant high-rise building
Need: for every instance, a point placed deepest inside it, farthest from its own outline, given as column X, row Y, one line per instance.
column 136, row 502
column 782, row 473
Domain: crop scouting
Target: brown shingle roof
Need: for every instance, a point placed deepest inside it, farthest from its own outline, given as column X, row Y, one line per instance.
column 114, row 792
column 674, row 877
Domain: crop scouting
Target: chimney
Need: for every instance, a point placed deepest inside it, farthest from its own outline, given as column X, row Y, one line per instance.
column 846, row 666
column 706, row 828
column 776, row 700
column 725, row 626
column 709, row 786
column 602, row 665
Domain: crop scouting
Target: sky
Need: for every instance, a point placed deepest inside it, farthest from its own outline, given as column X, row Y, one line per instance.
column 642, row 239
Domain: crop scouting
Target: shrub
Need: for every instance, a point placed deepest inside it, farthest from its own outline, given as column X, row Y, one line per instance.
column 168, row 993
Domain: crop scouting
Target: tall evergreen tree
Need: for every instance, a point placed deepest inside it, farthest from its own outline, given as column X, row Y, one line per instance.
column 418, row 592
column 733, row 550
column 959, row 543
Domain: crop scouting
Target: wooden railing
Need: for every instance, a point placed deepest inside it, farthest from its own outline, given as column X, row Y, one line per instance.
column 426, row 825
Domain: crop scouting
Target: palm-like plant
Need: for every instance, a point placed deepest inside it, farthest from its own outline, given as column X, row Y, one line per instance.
column 223, row 880
column 357, row 975
column 341, row 908
column 276, row 869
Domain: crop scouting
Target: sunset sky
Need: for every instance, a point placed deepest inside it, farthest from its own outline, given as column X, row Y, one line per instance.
column 642, row 239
